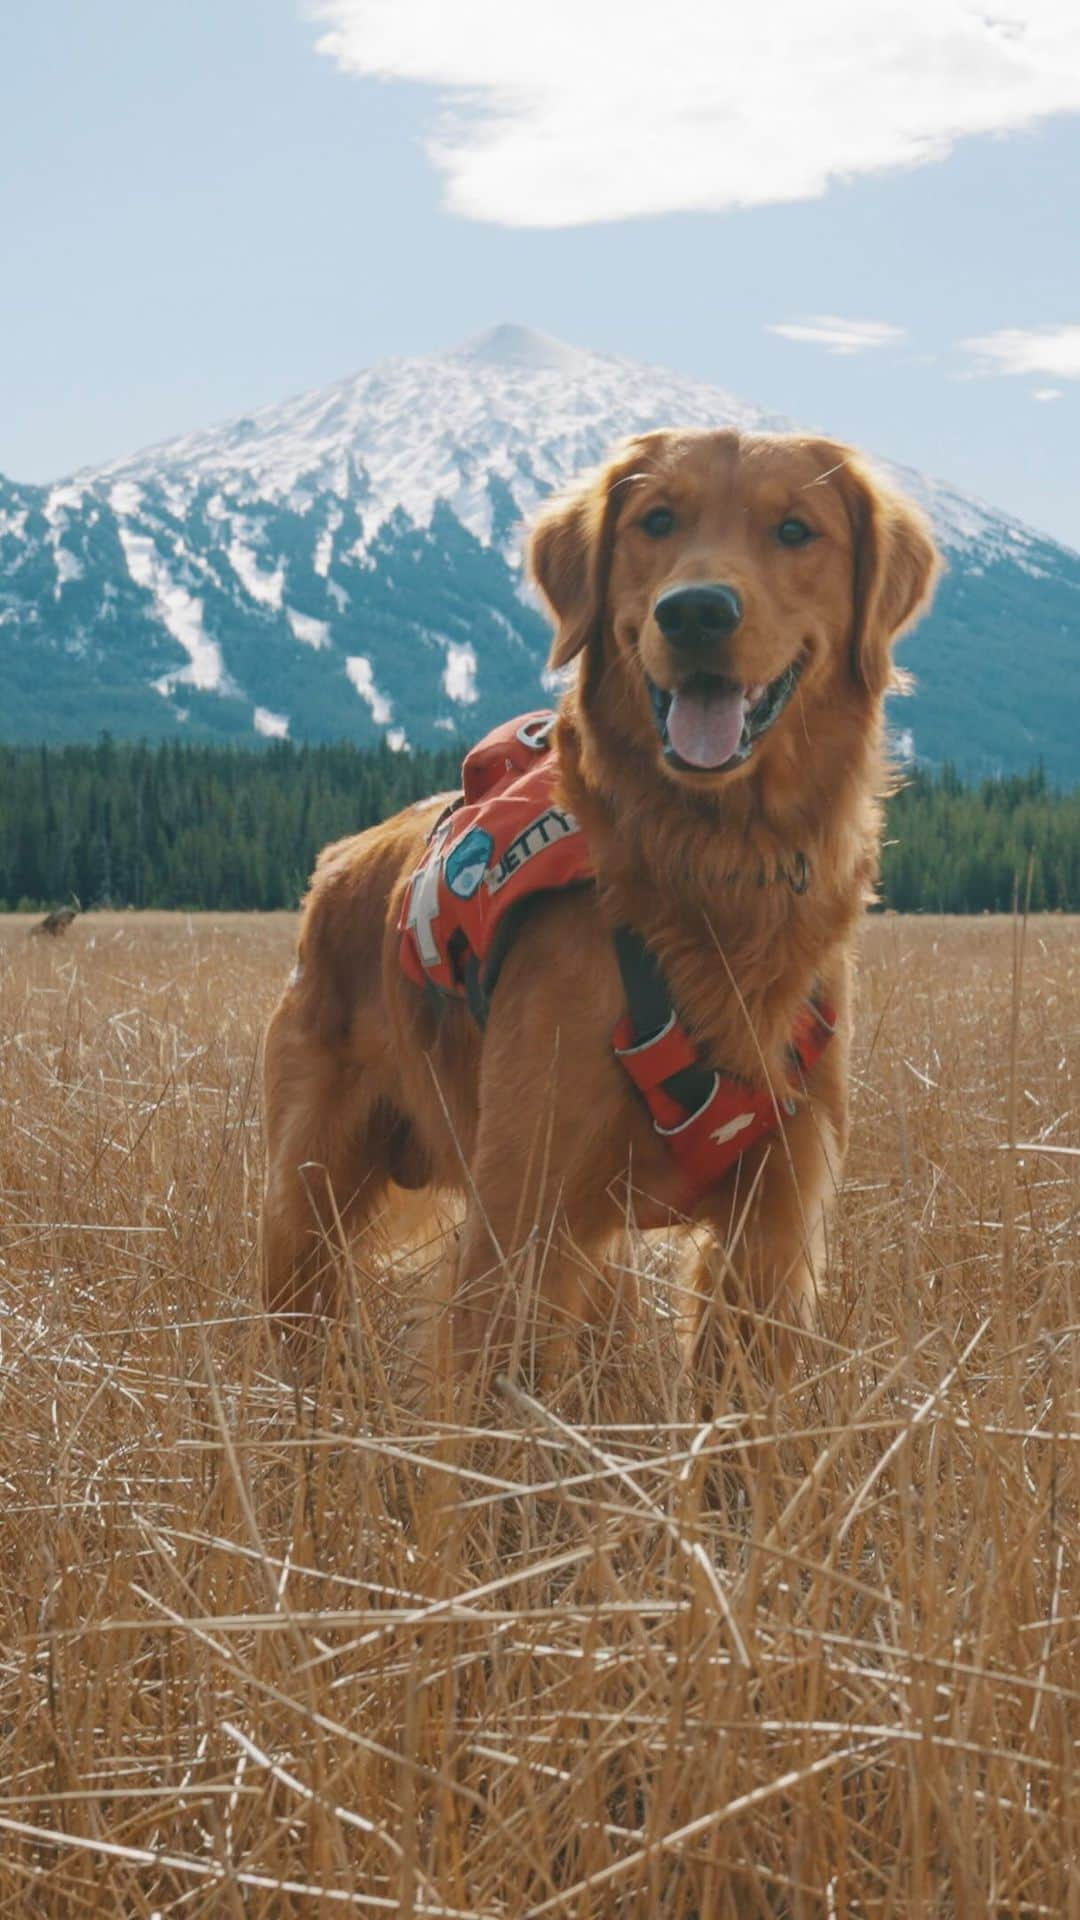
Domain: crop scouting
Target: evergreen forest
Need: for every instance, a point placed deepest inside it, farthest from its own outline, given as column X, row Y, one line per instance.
column 217, row 827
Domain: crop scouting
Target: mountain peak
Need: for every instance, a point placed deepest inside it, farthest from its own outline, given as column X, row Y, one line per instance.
column 347, row 564
column 510, row 345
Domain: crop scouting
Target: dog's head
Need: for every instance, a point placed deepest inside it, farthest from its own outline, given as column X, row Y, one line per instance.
column 719, row 583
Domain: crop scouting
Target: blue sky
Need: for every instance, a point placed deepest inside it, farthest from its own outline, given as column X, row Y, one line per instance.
column 201, row 212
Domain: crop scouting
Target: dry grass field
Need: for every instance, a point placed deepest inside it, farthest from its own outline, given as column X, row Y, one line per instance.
column 271, row 1649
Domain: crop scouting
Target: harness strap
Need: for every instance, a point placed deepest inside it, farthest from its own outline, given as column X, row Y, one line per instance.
column 706, row 1119
column 653, row 1047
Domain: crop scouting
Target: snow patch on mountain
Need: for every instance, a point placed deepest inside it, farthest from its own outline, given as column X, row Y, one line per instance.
column 309, row 631
column 125, row 498
column 61, row 502
column 180, row 612
column 68, row 567
column 267, row 588
column 13, row 522
column 362, row 676
column 273, row 726
column 459, row 673
column 324, row 545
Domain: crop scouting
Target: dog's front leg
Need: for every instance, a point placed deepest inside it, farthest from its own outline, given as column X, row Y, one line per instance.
column 523, row 1304
column 538, row 1260
column 758, row 1282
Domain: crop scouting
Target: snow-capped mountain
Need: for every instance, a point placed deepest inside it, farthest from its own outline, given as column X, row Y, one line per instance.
column 346, row 565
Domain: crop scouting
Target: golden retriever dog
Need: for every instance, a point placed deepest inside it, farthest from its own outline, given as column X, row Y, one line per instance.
column 731, row 602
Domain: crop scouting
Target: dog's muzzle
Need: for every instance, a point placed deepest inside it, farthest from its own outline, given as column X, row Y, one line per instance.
column 711, row 724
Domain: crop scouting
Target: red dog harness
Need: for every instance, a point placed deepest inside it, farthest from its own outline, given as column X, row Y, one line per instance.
column 508, row 839
column 505, row 840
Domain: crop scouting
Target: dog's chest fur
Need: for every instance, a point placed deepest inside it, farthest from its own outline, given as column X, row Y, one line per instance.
column 744, row 916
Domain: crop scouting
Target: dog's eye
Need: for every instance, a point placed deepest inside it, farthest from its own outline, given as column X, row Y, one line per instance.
column 794, row 533
column 658, row 523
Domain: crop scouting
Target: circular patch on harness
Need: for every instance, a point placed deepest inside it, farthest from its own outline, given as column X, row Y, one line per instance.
column 466, row 863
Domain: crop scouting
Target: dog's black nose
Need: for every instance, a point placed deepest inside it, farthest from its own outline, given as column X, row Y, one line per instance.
column 696, row 616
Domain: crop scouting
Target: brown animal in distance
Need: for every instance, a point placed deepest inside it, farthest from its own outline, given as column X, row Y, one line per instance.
column 56, row 922
column 732, row 602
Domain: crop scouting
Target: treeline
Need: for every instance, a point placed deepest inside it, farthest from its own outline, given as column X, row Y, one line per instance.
column 952, row 848
column 191, row 826
column 225, row 827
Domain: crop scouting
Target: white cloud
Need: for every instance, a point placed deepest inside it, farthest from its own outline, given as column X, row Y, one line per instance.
column 1048, row 393
column 839, row 336
column 1053, row 350
column 274, row 726
column 609, row 110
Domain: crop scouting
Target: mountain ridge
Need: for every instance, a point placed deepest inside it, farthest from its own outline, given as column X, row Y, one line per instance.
column 346, row 564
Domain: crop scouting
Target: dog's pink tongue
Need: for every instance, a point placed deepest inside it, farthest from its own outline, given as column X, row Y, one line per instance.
column 705, row 722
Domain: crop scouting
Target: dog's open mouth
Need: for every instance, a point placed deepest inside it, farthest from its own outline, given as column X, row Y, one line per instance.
column 710, row 724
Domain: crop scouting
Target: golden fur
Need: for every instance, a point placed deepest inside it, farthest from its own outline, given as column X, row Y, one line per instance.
column 368, row 1091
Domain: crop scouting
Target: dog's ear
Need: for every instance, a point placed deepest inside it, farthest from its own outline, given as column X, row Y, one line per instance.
column 569, row 554
column 896, row 570
column 561, row 562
